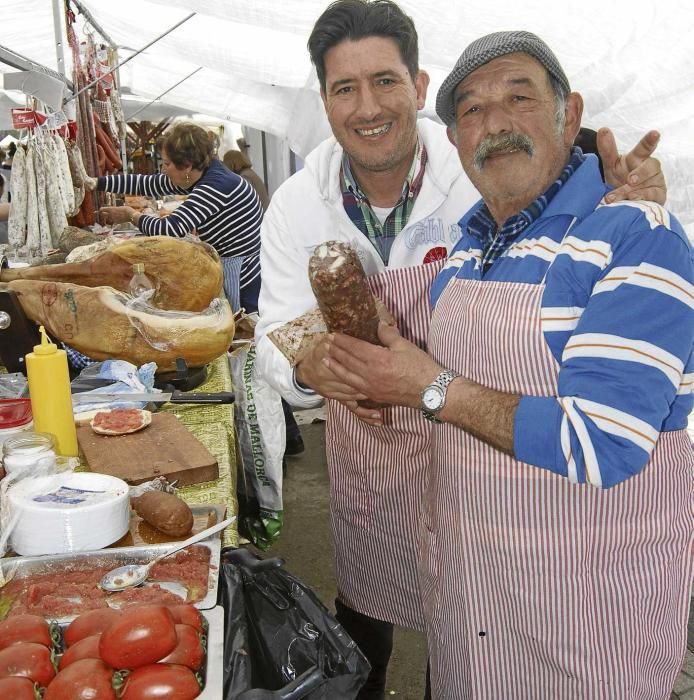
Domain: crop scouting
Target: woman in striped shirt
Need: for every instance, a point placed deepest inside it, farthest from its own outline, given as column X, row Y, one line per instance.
column 222, row 208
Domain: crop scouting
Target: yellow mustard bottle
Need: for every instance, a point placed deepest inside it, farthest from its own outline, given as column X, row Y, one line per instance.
column 51, row 399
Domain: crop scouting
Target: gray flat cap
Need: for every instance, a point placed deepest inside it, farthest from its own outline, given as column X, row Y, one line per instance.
column 488, row 48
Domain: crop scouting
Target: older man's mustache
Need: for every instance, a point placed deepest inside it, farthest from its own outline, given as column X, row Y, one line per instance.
column 500, row 143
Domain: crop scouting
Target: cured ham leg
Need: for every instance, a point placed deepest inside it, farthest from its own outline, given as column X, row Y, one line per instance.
column 187, row 276
column 99, row 322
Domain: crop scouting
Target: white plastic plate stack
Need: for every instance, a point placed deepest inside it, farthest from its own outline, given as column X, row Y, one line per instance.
column 70, row 512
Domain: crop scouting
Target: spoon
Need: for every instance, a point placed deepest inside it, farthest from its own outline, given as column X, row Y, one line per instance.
column 134, row 574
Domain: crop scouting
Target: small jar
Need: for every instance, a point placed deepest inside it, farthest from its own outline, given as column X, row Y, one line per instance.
column 15, row 417
column 29, row 452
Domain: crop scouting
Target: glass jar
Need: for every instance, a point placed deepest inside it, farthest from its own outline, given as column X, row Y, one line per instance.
column 29, row 452
column 15, row 417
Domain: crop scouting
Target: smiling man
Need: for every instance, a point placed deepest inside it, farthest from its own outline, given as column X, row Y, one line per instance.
column 391, row 186
column 557, row 524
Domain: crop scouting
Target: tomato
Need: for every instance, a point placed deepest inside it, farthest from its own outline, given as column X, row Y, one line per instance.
column 161, row 682
column 27, row 659
column 141, row 636
column 24, row 628
column 85, row 679
column 89, row 623
column 187, row 614
column 87, row 648
column 189, row 650
column 17, row 688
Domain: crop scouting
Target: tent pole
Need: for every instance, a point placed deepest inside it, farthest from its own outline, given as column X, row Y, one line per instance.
column 166, row 92
column 57, row 31
column 122, row 63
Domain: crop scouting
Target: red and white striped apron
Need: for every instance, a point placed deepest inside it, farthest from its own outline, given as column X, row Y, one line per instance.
column 534, row 587
column 377, row 477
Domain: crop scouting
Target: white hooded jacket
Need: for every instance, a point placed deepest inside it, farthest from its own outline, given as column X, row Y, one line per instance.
column 308, row 210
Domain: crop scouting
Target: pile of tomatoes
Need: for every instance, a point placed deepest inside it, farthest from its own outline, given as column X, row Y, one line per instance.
column 140, row 653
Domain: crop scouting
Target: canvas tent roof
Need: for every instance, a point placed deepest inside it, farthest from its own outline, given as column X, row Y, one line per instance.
column 635, row 68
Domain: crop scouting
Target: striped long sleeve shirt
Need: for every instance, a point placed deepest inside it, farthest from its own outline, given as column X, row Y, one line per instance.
column 618, row 316
column 222, row 207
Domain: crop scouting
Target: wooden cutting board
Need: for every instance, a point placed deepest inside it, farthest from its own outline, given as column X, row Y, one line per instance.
column 164, row 448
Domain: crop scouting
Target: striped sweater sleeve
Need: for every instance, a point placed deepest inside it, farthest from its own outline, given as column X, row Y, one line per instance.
column 141, row 185
column 202, row 204
column 626, row 362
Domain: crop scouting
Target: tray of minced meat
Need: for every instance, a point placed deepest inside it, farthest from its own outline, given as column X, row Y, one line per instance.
column 60, row 587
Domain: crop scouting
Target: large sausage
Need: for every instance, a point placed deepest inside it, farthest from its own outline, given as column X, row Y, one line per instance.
column 40, row 173
column 17, row 223
column 344, row 298
column 55, row 206
column 113, row 161
column 65, row 184
column 33, row 237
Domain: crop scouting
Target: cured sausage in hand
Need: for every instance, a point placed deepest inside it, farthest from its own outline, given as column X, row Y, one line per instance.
column 344, row 298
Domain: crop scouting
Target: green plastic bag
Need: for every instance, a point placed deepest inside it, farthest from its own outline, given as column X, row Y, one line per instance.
column 260, row 433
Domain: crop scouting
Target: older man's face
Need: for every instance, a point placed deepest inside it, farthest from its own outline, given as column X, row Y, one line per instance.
column 507, row 134
column 371, row 102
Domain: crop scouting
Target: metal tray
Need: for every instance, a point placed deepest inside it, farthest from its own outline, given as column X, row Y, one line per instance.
column 118, row 556
column 141, row 534
column 214, row 663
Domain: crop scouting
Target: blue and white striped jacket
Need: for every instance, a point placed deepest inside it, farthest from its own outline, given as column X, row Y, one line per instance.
column 618, row 316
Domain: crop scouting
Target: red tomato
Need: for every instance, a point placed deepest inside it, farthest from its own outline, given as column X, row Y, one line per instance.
column 89, row 623
column 24, row 628
column 27, row 659
column 86, row 679
column 187, row 614
column 161, row 682
column 87, row 648
column 141, row 636
column 17, row 688
column 189, row 650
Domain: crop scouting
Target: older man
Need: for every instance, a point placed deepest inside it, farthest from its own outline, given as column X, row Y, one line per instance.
column 392, row 187
column 558, row 519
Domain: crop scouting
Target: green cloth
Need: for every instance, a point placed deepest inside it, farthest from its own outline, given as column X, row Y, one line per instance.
column 213, row 426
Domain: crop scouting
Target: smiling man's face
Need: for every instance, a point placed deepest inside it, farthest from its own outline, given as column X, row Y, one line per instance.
column 371, row 102
column 507, row 134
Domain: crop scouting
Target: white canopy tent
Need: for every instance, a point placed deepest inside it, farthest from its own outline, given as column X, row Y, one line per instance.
column 635, row 68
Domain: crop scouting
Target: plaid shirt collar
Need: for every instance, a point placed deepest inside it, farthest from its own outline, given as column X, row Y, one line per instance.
column 496, row 241
column 362, row 215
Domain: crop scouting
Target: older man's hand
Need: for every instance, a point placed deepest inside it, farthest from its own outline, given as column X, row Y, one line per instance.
column 393, row 374
column 312, row 372
column 636, row 175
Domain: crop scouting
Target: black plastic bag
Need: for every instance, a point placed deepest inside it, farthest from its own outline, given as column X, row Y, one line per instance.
column 280, row 641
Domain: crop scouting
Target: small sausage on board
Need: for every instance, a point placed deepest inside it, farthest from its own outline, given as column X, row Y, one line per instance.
column 342, row 291
column 164, row 511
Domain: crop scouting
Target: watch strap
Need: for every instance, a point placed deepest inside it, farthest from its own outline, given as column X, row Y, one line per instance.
column 442, row 381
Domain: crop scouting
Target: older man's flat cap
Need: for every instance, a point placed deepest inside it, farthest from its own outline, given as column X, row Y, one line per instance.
column 488, row 48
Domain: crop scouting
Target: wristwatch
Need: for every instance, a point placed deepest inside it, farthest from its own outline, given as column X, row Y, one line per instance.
column 434, row 395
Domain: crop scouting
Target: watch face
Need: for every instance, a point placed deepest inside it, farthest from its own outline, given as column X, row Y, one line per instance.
column 431, row 398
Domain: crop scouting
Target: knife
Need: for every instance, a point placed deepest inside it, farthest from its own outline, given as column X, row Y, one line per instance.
column 176, row 396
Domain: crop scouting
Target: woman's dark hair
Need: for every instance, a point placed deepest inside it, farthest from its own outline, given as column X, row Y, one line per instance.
column 360, row 19
column 11, row 149
column 236, row 161
column 189, row 144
